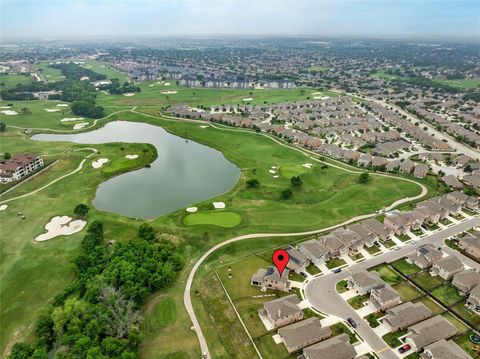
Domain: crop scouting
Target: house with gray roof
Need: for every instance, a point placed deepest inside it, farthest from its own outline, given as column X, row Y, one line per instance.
column 444, row 349
column 424, row 256
column 470, row 243
column 405, row 315
column 452, row 182
column 281, row 311
column 466, row 280
column 383, row 297
column 420, row 171
column 304, row 333
column 473, row 301
column 338, row 347
column 446, row 267
column 463, row 199
column 428, row 332
column 363, row 282
column 298, row 261
column 378, row 228
column 367, row 236
column 314, row 251
column 270, row 279
column 407, row 166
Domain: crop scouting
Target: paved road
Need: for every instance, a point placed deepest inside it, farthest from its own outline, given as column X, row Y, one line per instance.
column 321, row 292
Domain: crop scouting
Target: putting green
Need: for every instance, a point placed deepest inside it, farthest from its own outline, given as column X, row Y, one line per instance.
column 288, row 171
column 223, row 219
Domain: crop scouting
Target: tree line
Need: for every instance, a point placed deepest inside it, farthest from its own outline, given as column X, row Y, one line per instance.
column 98, row 314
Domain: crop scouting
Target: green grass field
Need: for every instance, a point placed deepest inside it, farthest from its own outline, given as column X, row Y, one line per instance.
column 405, row 268
column 426, row 281
column 466, row 83
column 447, row 294
column 8, row 81
column 49, row 73
column 387, row 274
column 288, row 171
column 223, row 219
column 101, row 67
column 407, row 291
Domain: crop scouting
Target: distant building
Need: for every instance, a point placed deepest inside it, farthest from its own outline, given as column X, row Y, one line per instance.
column 19, row 166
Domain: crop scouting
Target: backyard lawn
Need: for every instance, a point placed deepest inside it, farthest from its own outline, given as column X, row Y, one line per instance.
column 462, row 328
column 447, row 294
column 387, row 274
column 466, row 314
column 430, row 304
column 466, row 344
column 426, row 281
column 405, row 268
column 407, row 291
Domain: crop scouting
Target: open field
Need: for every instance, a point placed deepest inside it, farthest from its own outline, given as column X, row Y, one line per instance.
column 465, row 83
column 48, row 73
column 225, row 219
column 101, row 67
column 322, row 200
column 11, row 80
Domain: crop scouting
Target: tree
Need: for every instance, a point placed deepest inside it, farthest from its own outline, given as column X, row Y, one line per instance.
column 146, row 232
column 364, row 177
column 252, row 183
column 287, row 193
column 7, row 155
column 25, row 110
column 3, row 127
column 81, row 210
column 296, row 181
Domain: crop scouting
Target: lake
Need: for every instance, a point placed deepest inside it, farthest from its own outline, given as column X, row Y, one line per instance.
column 185, row 172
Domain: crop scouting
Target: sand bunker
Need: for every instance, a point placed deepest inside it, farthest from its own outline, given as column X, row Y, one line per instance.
column 3, row 207
column 204, row 126
column 62, row 105
column 79, row 126
column 7, row 107
column 52, row 109
column 72, row 119
column 167, row 83
column 191, row 209
column 61, row 226
column 128, row 94
column 131, row 157
column 274, row 167
column 272, row 171
column 321, row 97
column 248, row 99
column 169, row 92
column 307, row 165
column 276, row 176
column 218, row 205
column 99, row 163
column 9, row 112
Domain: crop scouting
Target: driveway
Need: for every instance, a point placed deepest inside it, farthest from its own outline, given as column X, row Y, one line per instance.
column 322, row 295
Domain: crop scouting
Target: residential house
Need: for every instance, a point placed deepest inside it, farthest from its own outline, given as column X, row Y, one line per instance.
column 338, row 347
column 467, row 280
column 405, row 315
column 365, row 159
column 424, row 256
column 304, row 333
column 384, row 297
column 298, row 261
column 428, row 332
column 367, row 236
column 281, row 311
column 444, row 349
column 463, row 199
column 393, row 165
column 472, row 180
column 379, row 161
column 447, row 267
column 473, row 301
column 402, row 222
column 378, row 228
column 452, row 182
column 470, row 243
column 407, row 166
column 314, row 251
column 270, row 279
column 363, row 282
column 420, row 171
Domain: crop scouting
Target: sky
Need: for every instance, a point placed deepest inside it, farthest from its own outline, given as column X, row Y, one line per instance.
column 436, row 19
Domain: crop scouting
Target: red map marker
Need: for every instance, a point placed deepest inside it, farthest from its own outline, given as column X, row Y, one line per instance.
column 280, row 258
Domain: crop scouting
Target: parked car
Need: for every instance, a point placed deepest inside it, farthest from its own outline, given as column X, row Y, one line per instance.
column 351, row 322
column 424, row 227
column 337, row 270
column 404, row 348
column 204, row 356
column 303, row 274
column 397, row 248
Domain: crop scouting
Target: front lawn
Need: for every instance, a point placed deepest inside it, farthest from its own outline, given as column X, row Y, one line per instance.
column 403, row 237
column 372, row 250
column 313, row 269
column 358, row 301
column 341, row 286
column 425, row 281
column 405, row 268
column 389, row 243
column 387, row 274
column 296, row 277
column 392, row 338
column 447, row 294
column 335, row 262
column 341, row 328
column 356, row 256
column 372, row 319
column 446, row 222
column 407, row 291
